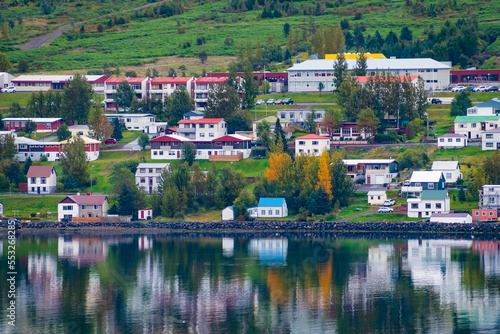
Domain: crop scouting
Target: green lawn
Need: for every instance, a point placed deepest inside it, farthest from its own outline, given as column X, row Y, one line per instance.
column 29, row 204
column 327, row 97
column 129, row 136
column 6, row 99
column 460, row 154
column 457, row 205
column 384, row 217
column 474, row 96
column 359, row 205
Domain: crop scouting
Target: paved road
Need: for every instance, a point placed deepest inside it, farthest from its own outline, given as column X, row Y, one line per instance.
column 373, row 210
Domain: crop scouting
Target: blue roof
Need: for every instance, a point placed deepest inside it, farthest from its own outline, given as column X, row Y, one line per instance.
column 489, row 104
column 230, row 207
column 267, row 201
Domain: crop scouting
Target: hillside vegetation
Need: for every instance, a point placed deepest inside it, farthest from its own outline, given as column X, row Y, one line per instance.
column 462, row 31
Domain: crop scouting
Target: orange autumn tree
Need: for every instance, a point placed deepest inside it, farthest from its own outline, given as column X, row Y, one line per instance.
column 324, row 179
column 280, row 166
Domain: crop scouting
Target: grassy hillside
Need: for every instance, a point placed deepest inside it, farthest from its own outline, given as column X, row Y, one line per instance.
column 142, row 39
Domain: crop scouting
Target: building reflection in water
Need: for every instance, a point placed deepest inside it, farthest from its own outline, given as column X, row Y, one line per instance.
column 83, row 251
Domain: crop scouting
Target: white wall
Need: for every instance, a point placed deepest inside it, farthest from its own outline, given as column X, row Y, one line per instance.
column 427, row 212
column 227, row 214
column 74, row 212
column 444, row 142
column 306, row 146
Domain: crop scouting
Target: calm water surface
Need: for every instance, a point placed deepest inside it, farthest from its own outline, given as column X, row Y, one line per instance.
column 260, row 284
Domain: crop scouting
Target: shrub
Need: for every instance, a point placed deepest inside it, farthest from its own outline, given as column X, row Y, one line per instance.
column 181, row 30
column 358, row 16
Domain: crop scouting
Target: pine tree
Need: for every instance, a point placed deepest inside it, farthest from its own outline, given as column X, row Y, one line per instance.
column 27, row 165
column 339, row 70
column 117, row 129
column 70, row 183
column 461, row 194
column 312, row 203
column 125, row 200
column 323, row 202
column 279, row 134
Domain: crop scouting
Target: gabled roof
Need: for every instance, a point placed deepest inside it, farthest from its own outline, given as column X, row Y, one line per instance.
column 466, row 119
column 376, row 193
column 312, row 136
column 85, row 199
column 367, row 161
column 86, row 140
column 445, row 165
column 201, row 121
column 271, row 120
column 40, row 171
column 129, row 80
column 269, row 201
column 434, row 194
column 207, row 80
column 193, row 113
column 426, row 176
column 153, row 165
column 169, row 138
column 232, row 138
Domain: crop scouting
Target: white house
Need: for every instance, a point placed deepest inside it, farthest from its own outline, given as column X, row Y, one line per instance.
column 452, row 140
column 148, row 175
column 140, row 87
column 44, row 83
column 373, row 171
column 269, row 208
column 1, row 209
column 487, row 108
column 168, row 147
column 473, row 126
column 299, row 116
column 490, row 140
column 450, row 170
column 145, row 214
column 41, row 179
column 82, row 206
column 228, row 213
column 377, row 197
column 203, row 128
column 421, row 180
column 287, row 126
column 311, row 145
column 430, row 202
column 91, row 148
column 138, row 122
column 6, row 79
column 162, row 87
column 489, row 197
column 306, row 76
column 451, row 218
column 80, row 130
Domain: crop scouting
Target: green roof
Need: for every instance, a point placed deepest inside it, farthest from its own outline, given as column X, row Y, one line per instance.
column 465, row 119
column 434, row 194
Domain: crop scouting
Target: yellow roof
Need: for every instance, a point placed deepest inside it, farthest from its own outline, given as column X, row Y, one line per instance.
column 87, row 140
column 356, row 56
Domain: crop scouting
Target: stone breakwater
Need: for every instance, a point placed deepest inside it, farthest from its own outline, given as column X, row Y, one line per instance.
column 288, row 226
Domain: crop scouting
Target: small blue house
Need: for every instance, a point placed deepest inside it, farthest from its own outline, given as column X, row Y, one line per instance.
column 269, row 208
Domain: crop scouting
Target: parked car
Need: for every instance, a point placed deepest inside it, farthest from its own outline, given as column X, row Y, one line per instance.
column 436, row 101
column 271, row 101
column 110, row 141
column 10, row 89
column 492, row 89
column 458, row 89
column 479, row 89
column 406, row 183
column 279, row 102
column 288, row 101
column 389, row 202
column 260, row 102
column 385, row 209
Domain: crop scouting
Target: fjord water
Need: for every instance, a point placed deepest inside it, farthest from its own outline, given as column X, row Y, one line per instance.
column 252, row 284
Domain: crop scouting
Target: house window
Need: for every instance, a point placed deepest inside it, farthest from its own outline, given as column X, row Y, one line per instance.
column 211, row 126
column 473, row 125
column 44, row 189
column 201, row 126
column 43, row 180
column 202, row 135
column 450, row 140
column 489, row 136
column 270, row 212
column 84, row 207
column 283, row 115
column 414, row 205
column 427, row 205
column 277, row 212
column 441, row 140
column 491, row 213
column 143, row 170
column 489, row 144
column 151, row 170
column 263, row 212
column 448, row 175
column 33, row 180
column 438, row 205
column 211, row 134
column 458, row 140
column 143, row 180
column 67, row 207
column 301, row 142
column 430, row 186
column 315, row 142
column 492, row 199
column 96, row 207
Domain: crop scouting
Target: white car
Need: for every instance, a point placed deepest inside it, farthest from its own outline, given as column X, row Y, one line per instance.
column 10, row 89
column 271, row 101
column 385, row 209
column 481, row 89
column 260, row 102
column 389, row 202
column 458, row 89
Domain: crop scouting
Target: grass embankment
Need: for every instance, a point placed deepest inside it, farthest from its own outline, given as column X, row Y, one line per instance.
column 29, row 204
column 474, row 96
column 7, row 99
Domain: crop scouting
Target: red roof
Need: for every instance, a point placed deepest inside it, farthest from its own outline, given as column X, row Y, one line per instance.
column 200, row 121
column 166, row 138
column 232, row 138
column 173, row 80
column 312, row 136
column 102, row 78
column 130, row 80
column 205, row 80
column 85, row 199
column 40, row 171
column 364, row 79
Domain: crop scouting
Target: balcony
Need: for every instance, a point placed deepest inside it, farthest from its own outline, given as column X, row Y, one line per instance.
column 411, row 189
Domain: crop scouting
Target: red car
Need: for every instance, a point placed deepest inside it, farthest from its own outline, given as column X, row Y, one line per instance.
column 110, row 141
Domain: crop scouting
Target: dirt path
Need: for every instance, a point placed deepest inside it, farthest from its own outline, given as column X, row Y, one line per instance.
column 373, row 210
column 108, row 167
column 39, row 41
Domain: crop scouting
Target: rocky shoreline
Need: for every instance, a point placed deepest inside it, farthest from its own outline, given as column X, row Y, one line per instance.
column 275, row 226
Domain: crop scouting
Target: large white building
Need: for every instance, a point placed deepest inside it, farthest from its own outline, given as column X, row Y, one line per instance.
column 6, row 79
column 203, row 128
column 162, row 87
column 44, row 83
column 490, row 140
column 306, row 76
column 311, row 145
column 139, row 122
column 429, row 203
column 148, row 175
column 450, row 170
column 140, row 87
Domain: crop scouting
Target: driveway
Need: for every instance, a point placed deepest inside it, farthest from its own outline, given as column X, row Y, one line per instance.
column 369, row 212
